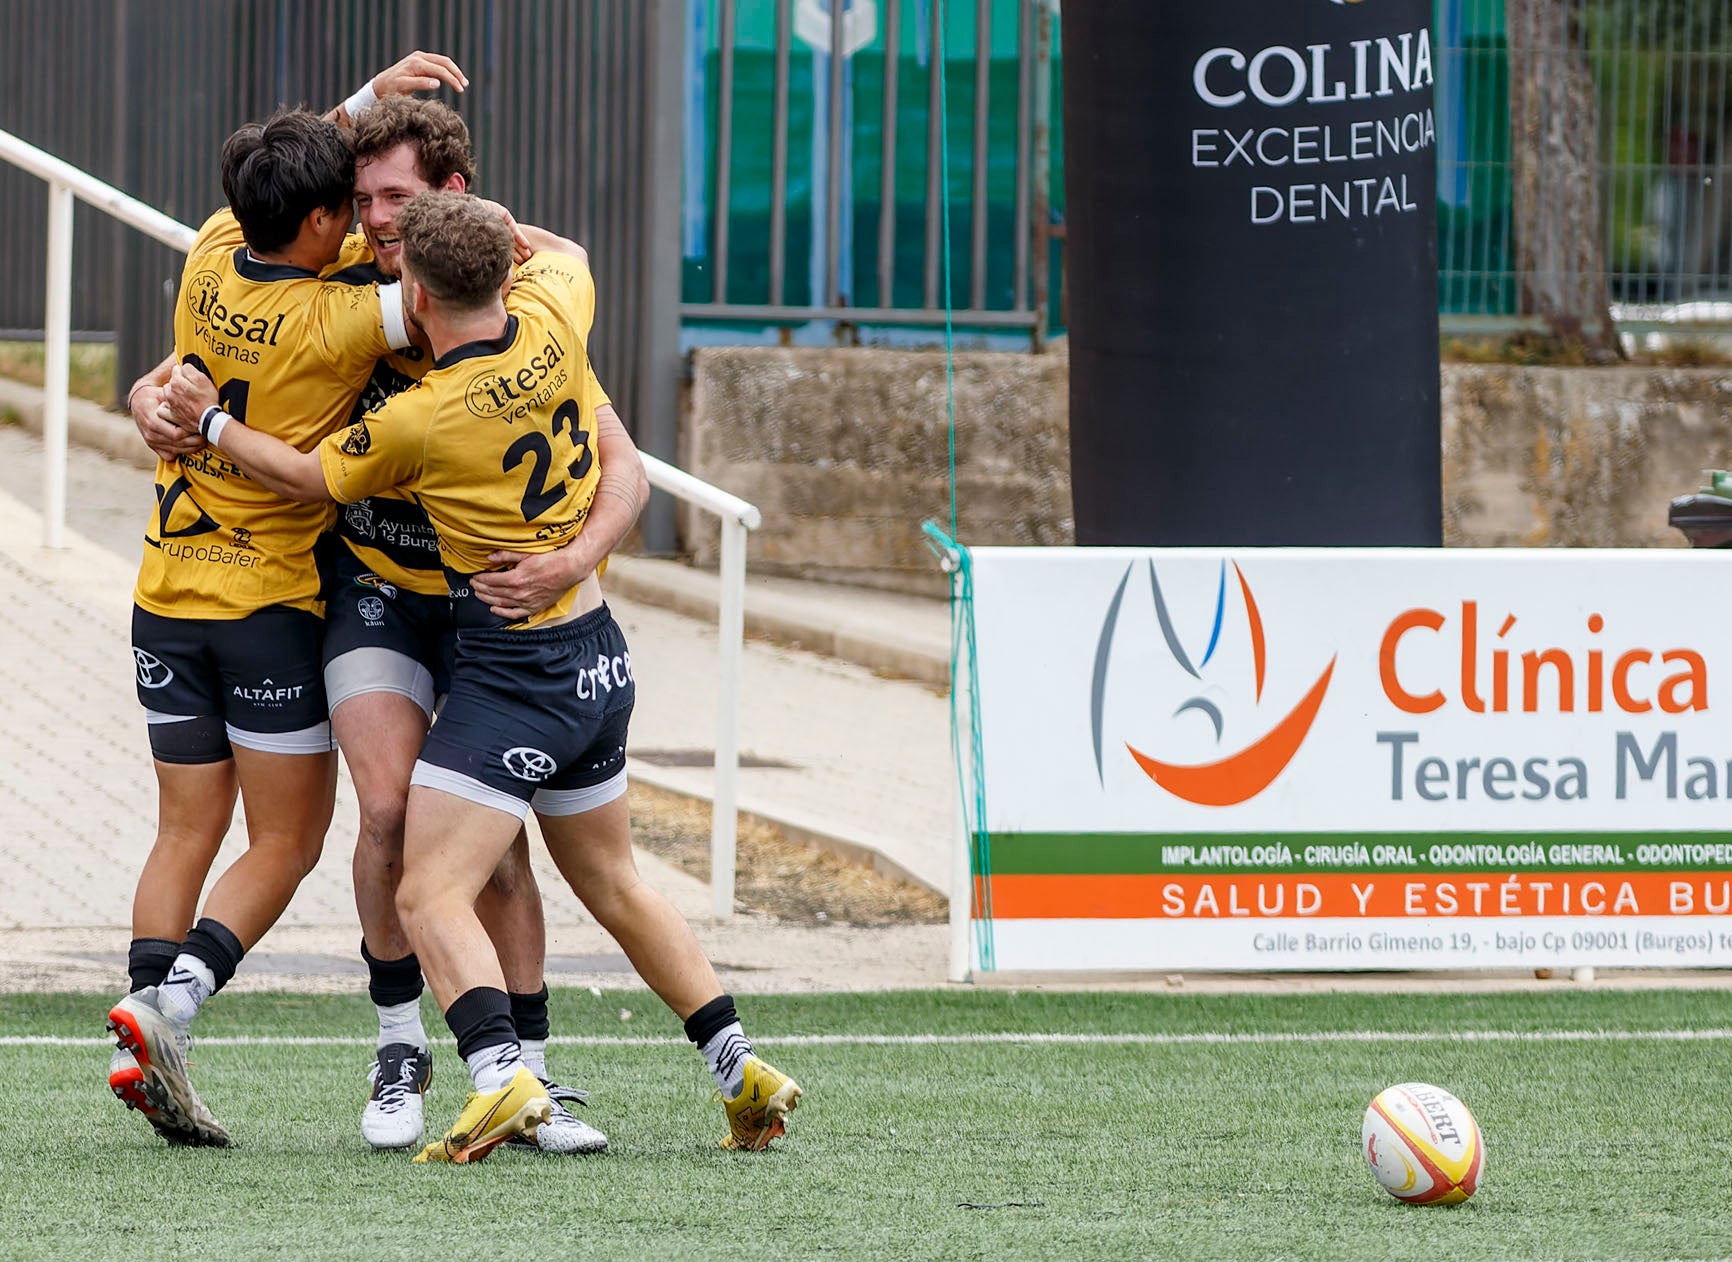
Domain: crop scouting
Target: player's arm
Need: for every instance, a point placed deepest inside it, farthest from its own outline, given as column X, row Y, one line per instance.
column 540, row 239
column 534, row 582
column 526, row 239
column 192, row 403
column 144, row 401
column 418, row 72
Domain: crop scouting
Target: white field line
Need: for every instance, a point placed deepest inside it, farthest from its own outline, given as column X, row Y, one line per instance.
column 1208, row 1038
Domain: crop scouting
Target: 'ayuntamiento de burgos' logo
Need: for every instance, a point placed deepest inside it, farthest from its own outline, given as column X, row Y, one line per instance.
column 1236, row 777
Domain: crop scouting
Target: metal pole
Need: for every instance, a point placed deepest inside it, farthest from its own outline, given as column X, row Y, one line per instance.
column 1041, row 209
column 887, row 184
column 1024, row 148
column 57, row 333
column 934, row 149
column 833, row 219
column 982, row 121
column 779, row 153
column 659, row 331
column 724, row 147
column 730, row 631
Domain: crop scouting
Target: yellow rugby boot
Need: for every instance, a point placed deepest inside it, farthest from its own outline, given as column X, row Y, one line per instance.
column 490, row 1118
column 755, row 1116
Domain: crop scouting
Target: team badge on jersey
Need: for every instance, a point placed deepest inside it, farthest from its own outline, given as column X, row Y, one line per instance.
column 359, row 440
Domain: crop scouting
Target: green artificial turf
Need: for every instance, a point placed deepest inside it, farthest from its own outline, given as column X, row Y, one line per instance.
column 1596, row 1148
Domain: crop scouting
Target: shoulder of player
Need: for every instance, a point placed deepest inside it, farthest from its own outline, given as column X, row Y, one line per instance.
column 556, row 266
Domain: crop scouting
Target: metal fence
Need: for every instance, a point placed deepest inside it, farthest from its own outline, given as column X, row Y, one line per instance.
column 819, row 139
column 1657, row 80
column 574, row 106
column 721, row 174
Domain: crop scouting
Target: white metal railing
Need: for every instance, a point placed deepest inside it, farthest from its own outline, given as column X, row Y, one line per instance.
column 737, row 517
column 66, row 182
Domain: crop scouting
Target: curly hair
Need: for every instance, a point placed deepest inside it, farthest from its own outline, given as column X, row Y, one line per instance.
column 456, row 247
column 438, row 132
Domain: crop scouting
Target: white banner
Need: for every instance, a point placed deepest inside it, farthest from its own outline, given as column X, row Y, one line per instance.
column 1354, row 758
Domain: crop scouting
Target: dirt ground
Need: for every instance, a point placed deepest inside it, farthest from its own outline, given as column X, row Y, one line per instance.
column 776, row 875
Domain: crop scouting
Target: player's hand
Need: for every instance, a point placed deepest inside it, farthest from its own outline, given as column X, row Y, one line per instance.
column 188, row 394
column 169, row 441
column 521, row 249
column 529, row 584
column 419, row 72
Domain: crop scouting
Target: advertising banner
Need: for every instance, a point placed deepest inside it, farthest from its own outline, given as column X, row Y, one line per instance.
column 1251, row 269
column 1353, row 759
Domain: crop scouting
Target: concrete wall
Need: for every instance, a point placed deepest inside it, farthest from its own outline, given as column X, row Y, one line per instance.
column 845, row 451
column 1577, row 457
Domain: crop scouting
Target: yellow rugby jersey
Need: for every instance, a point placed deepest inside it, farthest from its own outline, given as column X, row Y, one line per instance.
column 389, row 532
column 294, row 350
column 498, row 441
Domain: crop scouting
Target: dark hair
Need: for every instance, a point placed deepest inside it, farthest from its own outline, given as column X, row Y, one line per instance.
column 278, row 172
column 458, row 249
column 438, row 132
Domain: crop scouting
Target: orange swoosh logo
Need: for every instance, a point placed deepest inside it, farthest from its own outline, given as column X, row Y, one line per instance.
column 1247, row 773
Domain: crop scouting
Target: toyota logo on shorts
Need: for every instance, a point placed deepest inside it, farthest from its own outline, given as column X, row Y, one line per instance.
column 371, row 607
column 151, row 671
column 529, row 764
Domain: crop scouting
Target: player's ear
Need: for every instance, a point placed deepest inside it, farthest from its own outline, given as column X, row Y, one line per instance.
column 454, row 183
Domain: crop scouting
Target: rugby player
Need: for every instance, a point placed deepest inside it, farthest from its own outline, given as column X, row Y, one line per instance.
column 386, row 639
column 227, row 623
column 387, row 634
column 498, row 445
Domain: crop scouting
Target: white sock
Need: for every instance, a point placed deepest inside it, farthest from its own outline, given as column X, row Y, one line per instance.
column 535, row 1056
column 401, row 1023
column 494, row 1067
column 726, row 1055
column 183, row 992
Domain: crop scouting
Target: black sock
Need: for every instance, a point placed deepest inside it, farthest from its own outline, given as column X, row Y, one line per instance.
column 529, row 1015
column 711, row 1019
column 216, row 945
column 480, row 1018
column 391, row 982
column 148, row 961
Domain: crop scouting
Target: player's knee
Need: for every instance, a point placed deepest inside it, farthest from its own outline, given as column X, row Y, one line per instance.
column 382, row 830
column 609, row 896
column 418, row 895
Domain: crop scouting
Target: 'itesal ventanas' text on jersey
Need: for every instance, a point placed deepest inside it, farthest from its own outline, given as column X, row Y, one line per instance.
column 389, row 533
column 498, row 441
column 298, row 349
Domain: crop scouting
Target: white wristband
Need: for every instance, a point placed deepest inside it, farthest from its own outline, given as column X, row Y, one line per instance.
column 392, row 318
column 212, row 424
column 363, row 98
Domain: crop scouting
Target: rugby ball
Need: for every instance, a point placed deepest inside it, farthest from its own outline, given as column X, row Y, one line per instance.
column 1423, row 1145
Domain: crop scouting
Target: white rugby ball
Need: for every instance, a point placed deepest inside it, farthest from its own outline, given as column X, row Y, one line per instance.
column 1423, row 1145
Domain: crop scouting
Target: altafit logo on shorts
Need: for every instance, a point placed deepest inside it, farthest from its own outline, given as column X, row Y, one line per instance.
column 1254, row 765
column 268, row 691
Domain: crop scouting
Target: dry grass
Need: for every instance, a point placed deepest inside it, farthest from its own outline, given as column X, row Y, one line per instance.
column 1539, row 350
column 775, row 874
column 91, row 373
